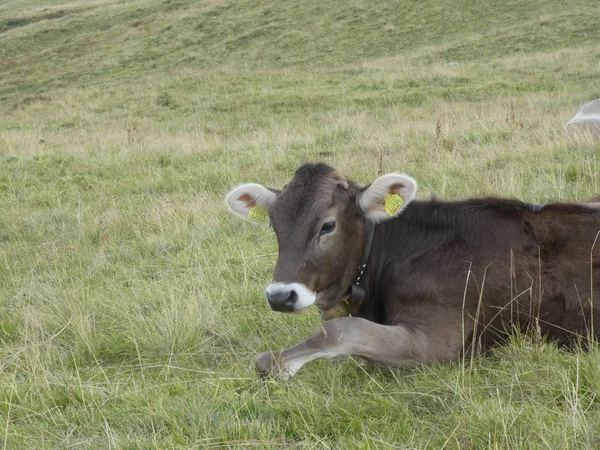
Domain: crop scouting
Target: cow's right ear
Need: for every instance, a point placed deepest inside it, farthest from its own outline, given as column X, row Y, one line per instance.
column 251, row 202
column 387, row 196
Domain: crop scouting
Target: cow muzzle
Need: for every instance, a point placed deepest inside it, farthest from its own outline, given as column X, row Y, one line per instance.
column 289, row 297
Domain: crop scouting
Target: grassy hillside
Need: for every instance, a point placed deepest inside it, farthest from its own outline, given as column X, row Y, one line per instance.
column 61, row 46
column 132, row 305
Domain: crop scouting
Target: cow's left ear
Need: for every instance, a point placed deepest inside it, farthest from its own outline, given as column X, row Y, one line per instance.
column 387, row 196
column 251, row 202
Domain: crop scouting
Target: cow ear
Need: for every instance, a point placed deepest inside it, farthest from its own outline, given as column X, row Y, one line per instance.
column 387, row 196
column 251, row 202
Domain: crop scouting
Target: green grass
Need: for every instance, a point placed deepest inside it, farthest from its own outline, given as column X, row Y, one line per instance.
column 132, row 305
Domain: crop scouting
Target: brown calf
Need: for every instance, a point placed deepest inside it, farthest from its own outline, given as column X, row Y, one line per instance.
column 428, row 278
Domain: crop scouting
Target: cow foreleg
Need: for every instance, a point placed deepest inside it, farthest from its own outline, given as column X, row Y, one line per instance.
column 381, row 344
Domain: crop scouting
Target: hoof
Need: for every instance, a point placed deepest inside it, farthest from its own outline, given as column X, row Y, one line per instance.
column 269, row 365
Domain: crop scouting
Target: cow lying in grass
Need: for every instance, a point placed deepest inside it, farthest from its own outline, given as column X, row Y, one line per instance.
column 428, row 280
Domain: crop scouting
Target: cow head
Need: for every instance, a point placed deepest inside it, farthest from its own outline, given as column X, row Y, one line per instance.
column 319, row 222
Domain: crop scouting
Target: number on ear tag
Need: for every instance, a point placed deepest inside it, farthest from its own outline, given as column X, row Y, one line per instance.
column 393, row 202
column 258, row 214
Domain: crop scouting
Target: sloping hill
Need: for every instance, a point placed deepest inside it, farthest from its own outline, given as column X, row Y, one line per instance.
column 57, row 44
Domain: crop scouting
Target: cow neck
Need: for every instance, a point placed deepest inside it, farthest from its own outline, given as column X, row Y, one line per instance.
column 355, row 291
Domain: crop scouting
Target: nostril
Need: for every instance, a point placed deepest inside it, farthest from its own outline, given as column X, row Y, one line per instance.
column 287, row 297
column 291, row 298
column 282, row 298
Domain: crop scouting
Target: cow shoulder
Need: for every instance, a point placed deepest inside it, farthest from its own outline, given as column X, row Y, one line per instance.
column 556, row 226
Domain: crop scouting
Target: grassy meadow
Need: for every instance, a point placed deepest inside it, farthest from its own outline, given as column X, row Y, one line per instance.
column 132, row 304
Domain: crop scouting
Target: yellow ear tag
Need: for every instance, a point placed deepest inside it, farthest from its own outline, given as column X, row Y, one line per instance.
column 393, row 202
column 258, row 214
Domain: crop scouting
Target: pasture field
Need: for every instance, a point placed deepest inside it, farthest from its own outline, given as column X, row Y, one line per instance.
column 132, row 305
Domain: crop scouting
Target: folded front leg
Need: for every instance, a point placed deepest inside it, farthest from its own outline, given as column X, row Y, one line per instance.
column 382, row 344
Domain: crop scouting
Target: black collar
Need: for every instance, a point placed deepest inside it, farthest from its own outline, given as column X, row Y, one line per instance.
column 356, row 293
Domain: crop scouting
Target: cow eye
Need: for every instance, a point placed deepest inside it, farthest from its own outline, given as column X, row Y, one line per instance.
column 327, row 228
